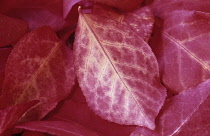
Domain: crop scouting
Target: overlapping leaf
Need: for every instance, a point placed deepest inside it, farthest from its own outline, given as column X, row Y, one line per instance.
column 117, row 72
column 36, row 13
column 184, row 114
column 182, row 48
column 10, row 116
column 39, row 67
column 73, row 109
column 124, row 5
column 162, row 8
column 58, row 128
column 140, row 20
column 67, row 6
column 11, row 30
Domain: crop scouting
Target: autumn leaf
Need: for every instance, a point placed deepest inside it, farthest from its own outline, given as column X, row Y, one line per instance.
column 117, row 71
column 183, row 58
column 38, row 68
column 184, row 114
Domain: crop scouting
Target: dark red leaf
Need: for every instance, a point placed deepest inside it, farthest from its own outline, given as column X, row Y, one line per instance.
column 117, row 71
column 182, row 48
column 58, row 128
column 184, row 114
column 124, row 5
column 39, row 67
column 4, row 53
column 33, row 133
column 10, row 116
column 36, row 13
column 11, row 30
column 77, row 110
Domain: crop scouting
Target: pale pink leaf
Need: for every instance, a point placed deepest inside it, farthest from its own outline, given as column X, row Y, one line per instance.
column 58, row 128
column 182, row 49
column 162, row 8
column 117, row 71
column 184, row 114
column 39, row 67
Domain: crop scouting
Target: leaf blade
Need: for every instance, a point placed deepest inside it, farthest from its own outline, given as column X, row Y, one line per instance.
column 46, row 66
column 179, row 51
column 95, row 56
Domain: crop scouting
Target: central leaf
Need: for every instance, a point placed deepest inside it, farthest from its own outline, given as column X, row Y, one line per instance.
column 117, row 71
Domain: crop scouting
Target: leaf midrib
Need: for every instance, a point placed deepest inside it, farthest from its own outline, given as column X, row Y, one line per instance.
column 87, row 22
column 46, row 60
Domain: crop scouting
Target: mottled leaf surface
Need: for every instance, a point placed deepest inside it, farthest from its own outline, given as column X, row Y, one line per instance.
column 117, row 72
column 39, row 67
column 182, row 48
column 11, row 30
column 10, row 116
column 184, row 114
column 58, row 128
column 140, row 20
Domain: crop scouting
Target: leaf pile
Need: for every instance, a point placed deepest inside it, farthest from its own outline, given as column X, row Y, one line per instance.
column 104, row 68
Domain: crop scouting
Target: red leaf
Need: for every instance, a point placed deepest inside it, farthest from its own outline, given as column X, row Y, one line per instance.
column 4, row 53
column 162, row 8
column 124, row 5
column 33, row 133
column 39, row 67
column 77, row 110
column 11, row 30
column 117, row 72
column 140, row 20
column 9, row 116
column 182, row 49
column 39, row 17
column 58, row 128
column 184, row 114
column 36, row 13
